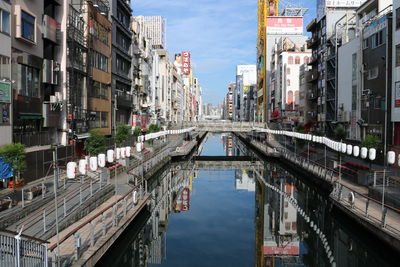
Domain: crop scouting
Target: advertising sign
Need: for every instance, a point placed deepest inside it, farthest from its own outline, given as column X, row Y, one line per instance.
column 185, row 63
column 50, row 28
column 375, row 27
column 397, row 95
column 183, row 200
column 284, row 25
column 322, row 5
column 271, row 248
column 249, row 73
column 5, row 92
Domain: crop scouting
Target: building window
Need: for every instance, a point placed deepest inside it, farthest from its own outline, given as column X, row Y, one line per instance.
column 123, row 66
column 398, row 18
column 378, row 39
column 104, row 119
column 5, row 72
column 288, row 82
column 4, row 21
column 123, row 41
column 29, row 83
column 287, row 70
column 306, row 60
column 99, row 61
column 290, row 60
column 99, row 90
column 365, row 43
column 297, row 60
column 398, row 55
column 4, row 113
column 354, row 67
column 123, row 18
column 99, row 31
column 373, row 73
column 27, row 26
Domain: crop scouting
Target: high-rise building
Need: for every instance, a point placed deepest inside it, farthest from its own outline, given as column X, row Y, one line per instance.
column 395, row 103
column 156, row 31
column 246, row 76
column 120, row 12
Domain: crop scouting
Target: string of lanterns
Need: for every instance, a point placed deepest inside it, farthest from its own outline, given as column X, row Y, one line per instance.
column 341, row 147
column 94, row 162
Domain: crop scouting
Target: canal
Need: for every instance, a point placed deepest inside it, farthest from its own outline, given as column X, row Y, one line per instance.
column 237, row 213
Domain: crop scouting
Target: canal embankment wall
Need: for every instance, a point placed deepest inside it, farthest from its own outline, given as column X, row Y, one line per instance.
column 348, row 199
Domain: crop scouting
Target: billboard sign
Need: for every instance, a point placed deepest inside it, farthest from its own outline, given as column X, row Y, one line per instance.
column 375, row 27
column 5, row 92
column 185, row 63
column 284, row 25
column 249, row 73
column 322, row 5
column 271, row 248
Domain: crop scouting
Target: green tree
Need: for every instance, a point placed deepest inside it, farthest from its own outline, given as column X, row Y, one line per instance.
column 371, row 141
column 153, row 128
column 137, row 131
column 122, row 134
column 96, row 143
column 340, row 133
column 14, row 155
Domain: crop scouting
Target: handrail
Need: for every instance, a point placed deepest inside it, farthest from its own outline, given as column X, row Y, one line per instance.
column 24, row 235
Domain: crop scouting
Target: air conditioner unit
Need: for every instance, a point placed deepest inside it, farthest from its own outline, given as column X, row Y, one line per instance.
column 53, row 99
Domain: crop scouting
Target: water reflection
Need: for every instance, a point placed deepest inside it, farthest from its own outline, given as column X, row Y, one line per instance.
column 245, row 217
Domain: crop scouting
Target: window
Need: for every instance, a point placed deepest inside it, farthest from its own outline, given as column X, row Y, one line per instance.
column 123, row 18
column 99, row 90
column 290, row 60
column 123, row 41
column 4, row 113
column 4, row 21
column 5, row 72
column 99, row 61
column 288, row 82
column 365, row 43
column 354, row 67
column 123, row 66
column 377, row 39
column 29, row 82
column 99, row 31
column 306, row 60
column 287, row 70
column 297, row 60
column 27, row 26
column 104, row 119
column 398, row 18
column 398, row 55
column 354, row 97
column 373, row 73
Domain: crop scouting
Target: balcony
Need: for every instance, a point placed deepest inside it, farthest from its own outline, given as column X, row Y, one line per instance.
column 124, row 99
column 313, row 76
column 312, row 42
column 33, row 139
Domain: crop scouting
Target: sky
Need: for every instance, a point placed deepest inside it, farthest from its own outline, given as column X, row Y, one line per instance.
column 220, row 34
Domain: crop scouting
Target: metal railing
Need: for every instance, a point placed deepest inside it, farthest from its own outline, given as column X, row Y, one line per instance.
column 19, row 250
column 33, row 139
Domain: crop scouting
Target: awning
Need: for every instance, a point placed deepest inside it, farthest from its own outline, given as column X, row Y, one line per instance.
column 30, row 117
column 82, row 136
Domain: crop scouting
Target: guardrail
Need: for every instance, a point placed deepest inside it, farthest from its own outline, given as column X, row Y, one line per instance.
column 17, row 249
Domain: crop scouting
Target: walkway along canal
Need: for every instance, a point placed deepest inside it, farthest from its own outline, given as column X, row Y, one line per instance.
column 241, row 213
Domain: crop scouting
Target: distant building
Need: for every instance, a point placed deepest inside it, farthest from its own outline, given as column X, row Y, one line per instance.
column 156, row 30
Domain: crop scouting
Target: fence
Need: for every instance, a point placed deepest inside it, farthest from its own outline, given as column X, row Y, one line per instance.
column 34, row 139
column 22, row 250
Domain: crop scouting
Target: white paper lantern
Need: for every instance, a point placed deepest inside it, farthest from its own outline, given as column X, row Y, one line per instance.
column 118, row 153
column 138, row 147
column 391, row 157
column 83, row 166
column 356, row 151
column 123, row 152
column 71, row 170
column 344, row 148
column 364, row 152
column 101, row 160
column 128, row 151
column 372, row 153
column 93, row 163
column 349, row 149
column 110, row 155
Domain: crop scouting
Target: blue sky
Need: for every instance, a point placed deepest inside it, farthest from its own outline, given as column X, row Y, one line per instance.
column 220, row 34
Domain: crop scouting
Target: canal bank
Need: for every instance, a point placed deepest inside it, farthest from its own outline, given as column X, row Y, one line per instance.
column 231, row 218
column 348, row 198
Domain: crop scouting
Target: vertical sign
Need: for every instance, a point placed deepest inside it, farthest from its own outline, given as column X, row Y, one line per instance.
column 397, row 95
column 5, row 92
column 186, row 63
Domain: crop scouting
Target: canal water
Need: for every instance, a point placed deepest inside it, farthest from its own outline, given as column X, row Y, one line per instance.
column 252, row 213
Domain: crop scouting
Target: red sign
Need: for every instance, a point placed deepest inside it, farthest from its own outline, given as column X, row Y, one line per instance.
column 290, row 249
column 143, row 122
column 284, row 25
column 183, row 201
column 186, row 63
